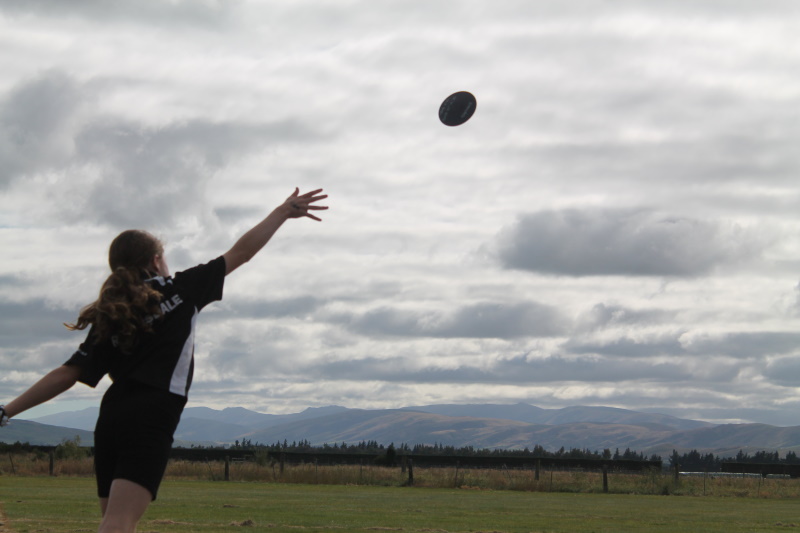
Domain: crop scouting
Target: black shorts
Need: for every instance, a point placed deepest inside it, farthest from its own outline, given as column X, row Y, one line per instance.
column 133, row 435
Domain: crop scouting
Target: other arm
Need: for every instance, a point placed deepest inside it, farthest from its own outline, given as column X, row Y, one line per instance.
column 297, row 205
column 47, row 388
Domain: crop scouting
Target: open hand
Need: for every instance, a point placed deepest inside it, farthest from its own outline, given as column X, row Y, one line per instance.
column 299, row 205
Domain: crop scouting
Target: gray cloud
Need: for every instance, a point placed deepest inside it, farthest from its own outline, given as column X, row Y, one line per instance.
column 627, row 347
column 289, row 307
column 602, row 316
column 33, row 119
column 796, row 307
column 620, row 242
column 28, row 324
column 141, row 173
column 748, row 344
column 14, row 280
column 235, row 213
column 481, row 320
column 518, row 370
column 177, row 12
column 736, row 345
column 785, row 371
column 157, row 173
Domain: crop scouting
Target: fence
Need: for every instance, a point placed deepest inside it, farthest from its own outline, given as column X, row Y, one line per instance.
column 359, row 469
column 406, row 462
column 763, row 469
column 470, row 472
column 478, row 461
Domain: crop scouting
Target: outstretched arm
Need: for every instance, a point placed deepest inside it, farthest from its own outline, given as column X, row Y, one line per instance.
column 297, row 205
column 47, row 388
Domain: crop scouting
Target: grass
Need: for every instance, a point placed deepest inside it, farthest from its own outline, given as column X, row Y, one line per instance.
column 68, row 504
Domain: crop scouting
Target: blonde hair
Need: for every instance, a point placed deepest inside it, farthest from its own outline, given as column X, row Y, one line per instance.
column 126, row 304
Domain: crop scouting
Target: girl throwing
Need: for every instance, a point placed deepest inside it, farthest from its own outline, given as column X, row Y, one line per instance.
column 141, row 333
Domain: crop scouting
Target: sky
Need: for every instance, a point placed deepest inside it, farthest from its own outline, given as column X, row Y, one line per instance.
column 616, row 225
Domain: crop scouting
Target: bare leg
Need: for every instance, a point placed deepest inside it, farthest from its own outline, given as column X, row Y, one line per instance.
column 124, row 507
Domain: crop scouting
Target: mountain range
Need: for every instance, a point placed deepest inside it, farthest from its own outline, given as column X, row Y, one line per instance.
column 479, row 425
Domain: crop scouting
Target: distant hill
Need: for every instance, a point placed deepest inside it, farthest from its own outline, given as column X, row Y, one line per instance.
column 42, row 434
column 403, row 426
column 240, row 417
column 536, row 415
column 83, row 419
column 481, row 426
column 728, row 439
column 252, row 419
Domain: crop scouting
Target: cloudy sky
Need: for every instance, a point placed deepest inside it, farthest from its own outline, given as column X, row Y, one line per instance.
column 616, row 225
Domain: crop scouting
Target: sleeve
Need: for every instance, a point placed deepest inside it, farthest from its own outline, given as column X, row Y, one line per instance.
column 89, row 359
column 205, row 282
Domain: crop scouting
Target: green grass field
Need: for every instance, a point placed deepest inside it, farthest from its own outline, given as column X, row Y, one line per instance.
column 44, row 504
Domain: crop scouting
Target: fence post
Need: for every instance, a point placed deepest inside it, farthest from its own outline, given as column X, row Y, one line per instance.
column 210, row 470
column 227, row 468
column 283, row 460
column 410, row 472
column 52, row 462
column 677, row 472
column 605, row 478
column 13, row 470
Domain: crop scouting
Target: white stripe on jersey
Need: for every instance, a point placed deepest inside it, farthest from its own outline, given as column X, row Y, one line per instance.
column 180, row 376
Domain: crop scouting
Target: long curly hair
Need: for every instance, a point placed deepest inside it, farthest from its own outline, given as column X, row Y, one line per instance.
column 126, row 305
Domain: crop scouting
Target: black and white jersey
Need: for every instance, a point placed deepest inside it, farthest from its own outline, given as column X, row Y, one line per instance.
column 163, row 359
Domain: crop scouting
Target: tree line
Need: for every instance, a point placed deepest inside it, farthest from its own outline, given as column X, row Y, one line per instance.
column 698, row 462
column 687, row 461
column 374, row 447
column 692, row 460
